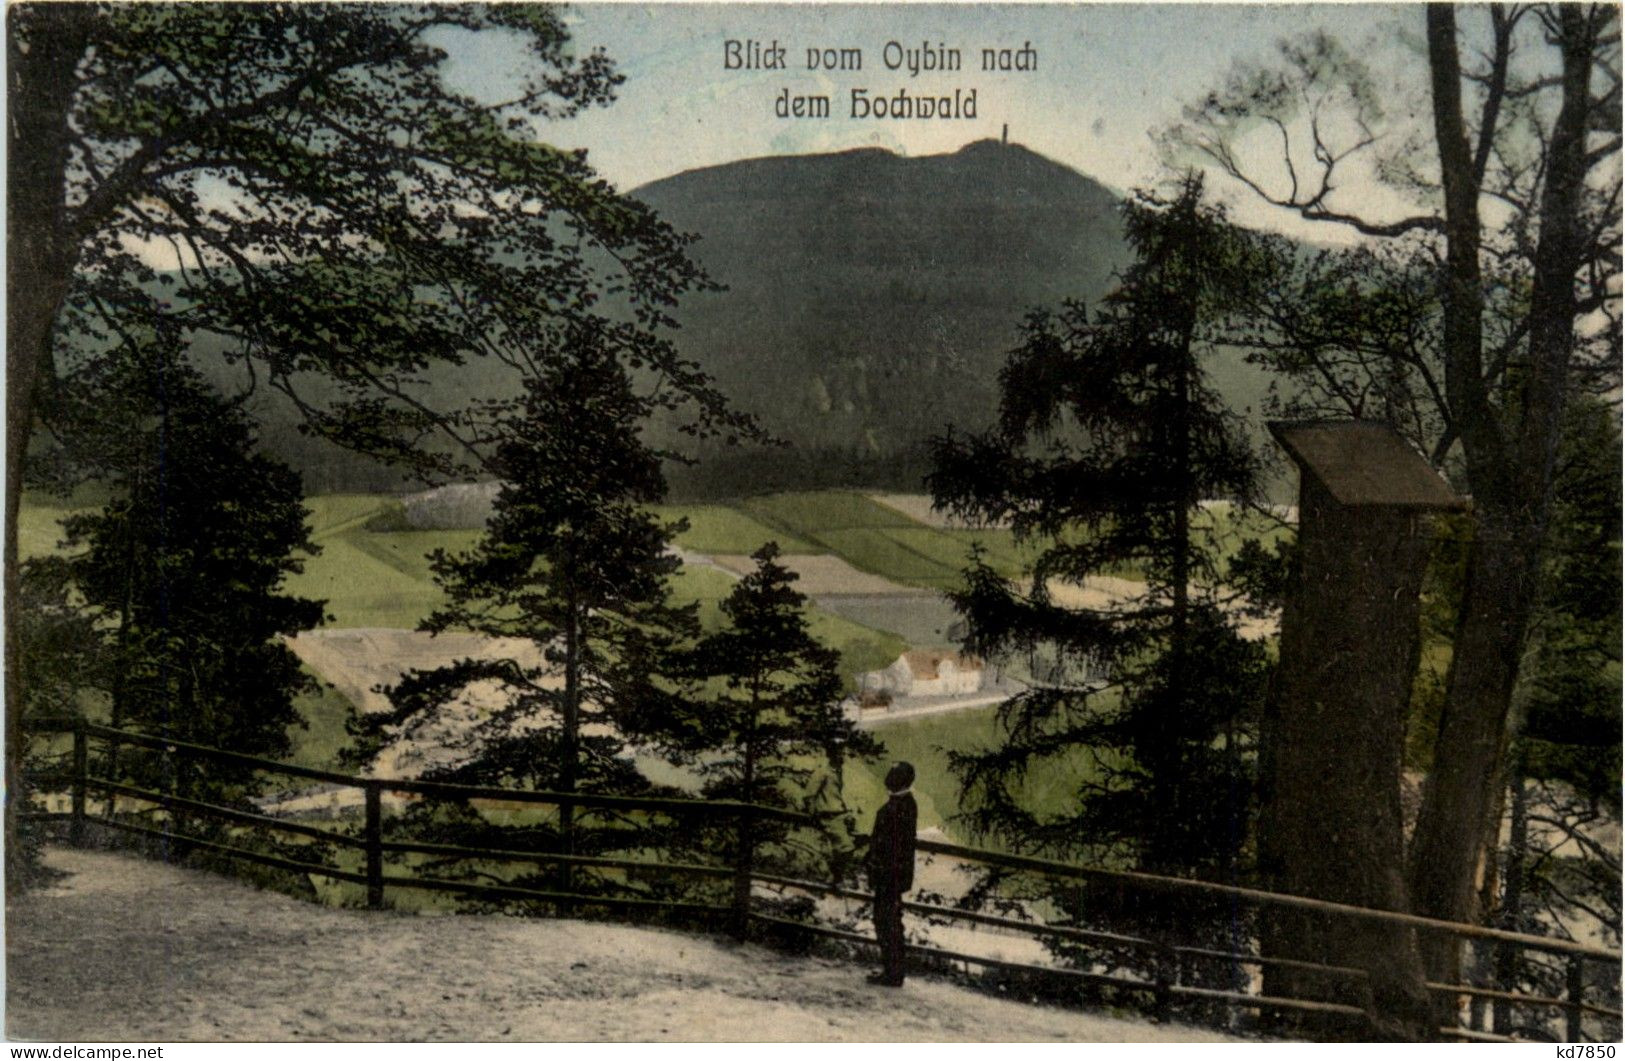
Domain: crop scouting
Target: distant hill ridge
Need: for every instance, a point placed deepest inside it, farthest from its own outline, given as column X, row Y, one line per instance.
column 872, row 297
column 871, row 300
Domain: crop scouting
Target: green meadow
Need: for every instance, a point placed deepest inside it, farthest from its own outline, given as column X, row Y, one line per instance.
column 373, row 571
column 721, row 530
column 927, row 741
column 882, row 541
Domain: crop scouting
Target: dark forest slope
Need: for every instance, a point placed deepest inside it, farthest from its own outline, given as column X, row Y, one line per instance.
column 870, row 301
column 870, row 297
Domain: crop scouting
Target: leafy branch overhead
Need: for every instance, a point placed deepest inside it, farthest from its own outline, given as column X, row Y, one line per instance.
column 306, row 185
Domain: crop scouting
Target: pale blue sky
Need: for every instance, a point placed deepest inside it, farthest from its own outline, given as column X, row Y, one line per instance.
column 1109, row 76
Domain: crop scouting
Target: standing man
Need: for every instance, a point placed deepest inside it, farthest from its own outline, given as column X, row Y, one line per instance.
column 891, row 870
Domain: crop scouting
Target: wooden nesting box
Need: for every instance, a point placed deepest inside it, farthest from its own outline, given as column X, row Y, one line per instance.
column 1333, row 732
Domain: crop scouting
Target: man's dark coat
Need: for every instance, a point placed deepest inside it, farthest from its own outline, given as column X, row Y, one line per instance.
column 891, row 873
column 891, row 846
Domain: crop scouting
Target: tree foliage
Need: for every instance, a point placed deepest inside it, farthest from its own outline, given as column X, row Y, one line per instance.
column 572, row 569
column 181, row 571
column 778, row 704
column 1559, row 868
column 60, row 670
column 308, row 186
column 1569, row 696
column 768, row 727
column 321, row 211
column 1108, row 440
column 1499, row 196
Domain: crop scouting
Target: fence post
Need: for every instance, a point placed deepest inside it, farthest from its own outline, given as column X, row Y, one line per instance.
column 563, row 871
column 744, row 867
column 81, row 775
column 1577, row 983
column 1506, row 979
column 1167, row 974
column 375, row 844
column 180, row 822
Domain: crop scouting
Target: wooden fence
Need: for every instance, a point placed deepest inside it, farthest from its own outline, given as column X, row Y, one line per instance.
column 1165, row 987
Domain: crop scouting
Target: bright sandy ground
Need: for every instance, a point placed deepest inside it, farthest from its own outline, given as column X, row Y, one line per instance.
column 357, row 660
column 917, row 507
column 133, row 950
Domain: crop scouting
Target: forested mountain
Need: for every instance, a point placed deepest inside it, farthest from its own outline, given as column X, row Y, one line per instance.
column 869, row 301
column 871, row 297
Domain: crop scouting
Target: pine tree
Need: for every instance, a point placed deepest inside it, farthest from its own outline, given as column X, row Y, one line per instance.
column 1108, row 440
column 573, row 564
column 773, row 732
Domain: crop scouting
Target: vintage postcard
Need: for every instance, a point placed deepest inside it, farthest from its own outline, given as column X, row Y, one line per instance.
column 732, row 522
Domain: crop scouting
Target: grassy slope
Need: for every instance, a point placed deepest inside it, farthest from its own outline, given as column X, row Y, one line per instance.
column 318, row 743
column 719, row 529
column 1222, row 527
column 382, row 579
column 862, row 648
column 875, row 538
column 926, row 742
column 39, row 532
column 881, row 540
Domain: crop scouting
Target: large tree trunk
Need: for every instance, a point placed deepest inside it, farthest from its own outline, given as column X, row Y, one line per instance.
column 1461, row 287
column 1506, row 959
column 43, row 48
column 1449, row 838
column 1511, row 481
column 1333, row 730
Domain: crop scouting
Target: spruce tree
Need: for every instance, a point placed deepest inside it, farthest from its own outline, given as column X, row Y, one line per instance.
column 183, row 567
column 772, row 733
column 573, row 564
column 1109, row 438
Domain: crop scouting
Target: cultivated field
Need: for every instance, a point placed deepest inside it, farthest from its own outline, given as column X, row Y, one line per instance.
column 822, row 575
column 927, row 741
column 871, row 564
column 882, row 540
column 918, row 507
column 358, row 661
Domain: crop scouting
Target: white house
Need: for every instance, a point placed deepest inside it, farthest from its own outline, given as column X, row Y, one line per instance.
column 926, row 672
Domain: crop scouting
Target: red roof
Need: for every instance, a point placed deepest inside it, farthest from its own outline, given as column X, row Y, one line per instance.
column 924, row 663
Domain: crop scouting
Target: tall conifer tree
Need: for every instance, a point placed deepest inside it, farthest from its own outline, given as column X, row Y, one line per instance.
column 1109, row 439
column 573, row 563
column 183, row 567
column 773, row 732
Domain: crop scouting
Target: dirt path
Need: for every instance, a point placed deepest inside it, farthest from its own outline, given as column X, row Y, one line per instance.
column 133, row 950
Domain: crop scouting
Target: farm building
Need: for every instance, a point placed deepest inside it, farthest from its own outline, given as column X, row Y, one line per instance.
column 926, row 672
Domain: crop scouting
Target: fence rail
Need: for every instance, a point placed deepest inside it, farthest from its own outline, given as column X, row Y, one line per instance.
column 1253, row 896
column 1168, row 961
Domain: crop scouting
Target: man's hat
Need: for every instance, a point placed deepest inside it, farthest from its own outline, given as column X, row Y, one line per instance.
column 900, row 777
